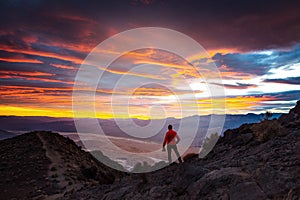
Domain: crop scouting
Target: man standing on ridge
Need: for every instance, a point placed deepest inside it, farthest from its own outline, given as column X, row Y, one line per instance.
column 171, row 139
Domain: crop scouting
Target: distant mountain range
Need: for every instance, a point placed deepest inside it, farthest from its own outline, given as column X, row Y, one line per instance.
column 15, row 125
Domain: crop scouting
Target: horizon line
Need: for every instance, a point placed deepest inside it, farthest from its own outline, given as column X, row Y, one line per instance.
column 144, row 118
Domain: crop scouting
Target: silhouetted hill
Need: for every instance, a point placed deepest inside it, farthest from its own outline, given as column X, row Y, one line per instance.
column 46, row 164
column 292, row 119
column 16, row 123
column 6, row 134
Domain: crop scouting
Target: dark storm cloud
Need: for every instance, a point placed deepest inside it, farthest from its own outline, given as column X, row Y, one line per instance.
column 237, row 86
column 13, row 40
column 245, row 25
column 8, row 66
column 289, row 80
column 54, row 21
column 72, row 28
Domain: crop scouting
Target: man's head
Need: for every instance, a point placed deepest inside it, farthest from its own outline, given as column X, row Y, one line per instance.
column 170, row 127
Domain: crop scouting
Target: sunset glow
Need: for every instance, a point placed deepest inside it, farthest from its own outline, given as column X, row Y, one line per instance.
column 39, row 62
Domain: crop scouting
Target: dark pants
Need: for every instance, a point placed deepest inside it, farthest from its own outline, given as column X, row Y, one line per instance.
column 169, row 149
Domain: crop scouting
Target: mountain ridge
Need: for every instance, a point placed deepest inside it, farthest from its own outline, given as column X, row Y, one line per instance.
column 15, row 125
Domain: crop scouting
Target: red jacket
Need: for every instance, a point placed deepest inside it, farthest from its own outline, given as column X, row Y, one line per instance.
column 170, row 138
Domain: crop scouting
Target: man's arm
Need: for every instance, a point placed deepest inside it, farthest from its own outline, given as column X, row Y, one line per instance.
column 165, row 140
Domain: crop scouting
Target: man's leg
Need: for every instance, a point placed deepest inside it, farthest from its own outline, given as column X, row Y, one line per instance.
column 177, row 153
column 169, row 154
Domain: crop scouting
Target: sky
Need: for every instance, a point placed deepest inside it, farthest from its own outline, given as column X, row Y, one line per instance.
column 254, row 44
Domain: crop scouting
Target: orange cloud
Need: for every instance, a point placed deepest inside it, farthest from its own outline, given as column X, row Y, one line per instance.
column 21, row 60
column 63, row 66
column 152, row 92
column 114, row 71
column 245, row 103
column 42, row 53
column 23, row 73
column 36, row 79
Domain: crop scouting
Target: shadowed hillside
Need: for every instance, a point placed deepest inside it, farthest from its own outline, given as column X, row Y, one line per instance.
column 254, row 161
column 46, row 164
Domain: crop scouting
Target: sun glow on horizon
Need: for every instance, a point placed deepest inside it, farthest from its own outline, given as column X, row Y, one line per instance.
column 245, row 92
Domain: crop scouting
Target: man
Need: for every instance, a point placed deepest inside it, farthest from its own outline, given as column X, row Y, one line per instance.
column 171, row 139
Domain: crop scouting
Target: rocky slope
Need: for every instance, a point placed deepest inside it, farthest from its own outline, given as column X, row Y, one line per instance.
column 292, row 119
column 46, row 165
column 254, row 161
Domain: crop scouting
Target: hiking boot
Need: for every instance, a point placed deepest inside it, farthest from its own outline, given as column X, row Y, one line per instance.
column 179, row 159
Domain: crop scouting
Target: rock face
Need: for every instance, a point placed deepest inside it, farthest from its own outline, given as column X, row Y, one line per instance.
column 292, row 119
column 241, row 166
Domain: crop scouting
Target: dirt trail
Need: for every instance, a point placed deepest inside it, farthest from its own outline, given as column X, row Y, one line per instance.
column 57, row 169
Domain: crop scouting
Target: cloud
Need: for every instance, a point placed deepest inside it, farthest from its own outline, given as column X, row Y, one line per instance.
column 157, row 90
column 247, row 63
column 257, row 63
column 63, row 66
column 42, row 46
column 239, row 24
column 291, row 96
column 239, row 86
column 20, row 60
column 46, row 54
column 289, row 80
column 259, row 103
column 33, row 82
column 22, row 73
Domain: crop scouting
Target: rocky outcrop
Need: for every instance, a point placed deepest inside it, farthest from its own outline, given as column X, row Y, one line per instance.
column 292, row 119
